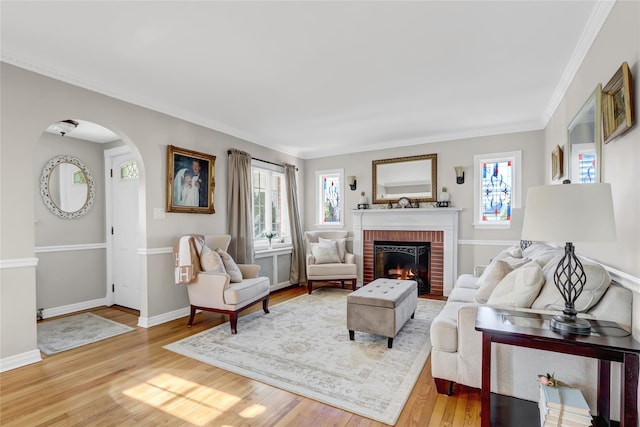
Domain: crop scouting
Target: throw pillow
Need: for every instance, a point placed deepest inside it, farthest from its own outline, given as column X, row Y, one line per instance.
column 598, row 281
column 519, row 288
column 492, row 275
column 325, row 253
column 210, row 261
column 342, row 246
column 235, row 275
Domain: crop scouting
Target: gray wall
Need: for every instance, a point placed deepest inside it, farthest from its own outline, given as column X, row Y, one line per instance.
column 479, row 245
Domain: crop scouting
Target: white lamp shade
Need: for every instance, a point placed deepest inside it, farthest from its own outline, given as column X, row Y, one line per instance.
column 569, row 213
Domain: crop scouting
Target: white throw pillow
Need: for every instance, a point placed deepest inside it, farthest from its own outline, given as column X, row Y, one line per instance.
column 342, row 246
column 235, row 275
column 519, row 288
column 598, row 281
column 492, row 275
column 210, row 261
column 325, row 253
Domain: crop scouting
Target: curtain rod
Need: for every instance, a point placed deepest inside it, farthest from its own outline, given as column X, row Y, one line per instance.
column 264, row 161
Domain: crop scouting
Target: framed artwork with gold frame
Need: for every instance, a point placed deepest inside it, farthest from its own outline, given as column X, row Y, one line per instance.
column 190, row 181
column 617, row 104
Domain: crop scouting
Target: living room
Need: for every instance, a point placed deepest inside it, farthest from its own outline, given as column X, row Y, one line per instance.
column 32, row 101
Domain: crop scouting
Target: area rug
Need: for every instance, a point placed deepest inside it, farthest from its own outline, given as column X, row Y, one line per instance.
column 70, row 332
column 303, row 346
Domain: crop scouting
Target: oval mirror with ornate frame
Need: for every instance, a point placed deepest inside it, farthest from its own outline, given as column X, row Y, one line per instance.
column 413, row 177
column 67, row 187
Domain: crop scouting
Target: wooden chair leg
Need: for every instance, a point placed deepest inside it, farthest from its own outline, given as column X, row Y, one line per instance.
column 233, row 321
column 265, row 304
column 192, row 316
column 354, row 283
column 309, row 286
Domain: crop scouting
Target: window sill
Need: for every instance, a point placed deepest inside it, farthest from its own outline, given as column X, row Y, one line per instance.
column 492, row 226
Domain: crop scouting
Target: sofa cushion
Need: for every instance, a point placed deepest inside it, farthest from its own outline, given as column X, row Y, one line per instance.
column 493, row 274
column 246, row 291
column 462, row 295
column 210, row 261
column 325, row 253
column 542, row 253
column 235, row 275
column 519, row 288
column 598, row 281
column 466, row 281
column 340, row 243
column 336, row 270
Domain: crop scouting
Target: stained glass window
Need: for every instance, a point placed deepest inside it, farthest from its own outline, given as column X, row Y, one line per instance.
column 129, row 170
column 496, row 191
column 330, row 205
column 498, row 188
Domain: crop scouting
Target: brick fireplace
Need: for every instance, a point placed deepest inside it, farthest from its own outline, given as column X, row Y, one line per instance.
column 438, row 226
column 435, row 238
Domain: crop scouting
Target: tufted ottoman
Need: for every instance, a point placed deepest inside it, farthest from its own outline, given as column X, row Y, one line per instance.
column 382, row 307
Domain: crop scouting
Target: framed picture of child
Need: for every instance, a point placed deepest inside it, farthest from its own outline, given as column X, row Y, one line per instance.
column 190, row 181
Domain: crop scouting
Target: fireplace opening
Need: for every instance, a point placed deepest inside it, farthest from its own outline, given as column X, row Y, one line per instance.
column 404, row 261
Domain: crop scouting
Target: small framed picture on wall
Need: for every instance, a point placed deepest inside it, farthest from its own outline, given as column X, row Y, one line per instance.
column 556, row 163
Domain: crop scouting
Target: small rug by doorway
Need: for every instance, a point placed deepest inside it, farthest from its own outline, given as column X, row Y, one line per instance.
column 74, row 331
column 303, row 346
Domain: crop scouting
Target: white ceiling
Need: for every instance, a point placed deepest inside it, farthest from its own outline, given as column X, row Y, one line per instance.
column 316, row 78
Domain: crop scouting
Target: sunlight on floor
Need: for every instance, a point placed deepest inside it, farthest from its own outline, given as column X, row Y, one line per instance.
column 189, row 401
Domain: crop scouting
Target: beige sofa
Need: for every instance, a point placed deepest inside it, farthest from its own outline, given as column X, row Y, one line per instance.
column 510, row 281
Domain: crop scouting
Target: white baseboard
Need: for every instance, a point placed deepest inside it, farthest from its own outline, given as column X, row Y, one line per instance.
column 147, row 322
column 72, row 308
column 19, row 360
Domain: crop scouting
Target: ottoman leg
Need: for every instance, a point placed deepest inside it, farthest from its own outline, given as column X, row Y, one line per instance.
column 390, row 343
column 351, row 335
column 413, row 314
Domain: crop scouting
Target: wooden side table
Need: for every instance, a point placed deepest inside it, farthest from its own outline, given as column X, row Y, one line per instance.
column 608, row 342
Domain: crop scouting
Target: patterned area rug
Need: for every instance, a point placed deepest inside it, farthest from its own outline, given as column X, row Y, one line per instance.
column 303, row 346
column 70, row 332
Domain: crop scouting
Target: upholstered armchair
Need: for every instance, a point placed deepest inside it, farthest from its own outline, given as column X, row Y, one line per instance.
column 223, row 287
column 328, row 259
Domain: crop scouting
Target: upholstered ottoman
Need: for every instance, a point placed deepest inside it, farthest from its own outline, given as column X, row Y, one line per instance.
column 382, row 307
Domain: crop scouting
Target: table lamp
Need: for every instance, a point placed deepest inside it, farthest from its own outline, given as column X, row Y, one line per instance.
column 569, row 213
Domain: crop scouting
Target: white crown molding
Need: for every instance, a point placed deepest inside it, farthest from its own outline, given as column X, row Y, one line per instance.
column 18, row 263
column 592, row 29
column 19, row 360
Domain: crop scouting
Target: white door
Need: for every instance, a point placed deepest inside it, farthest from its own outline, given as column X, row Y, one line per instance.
column 124, row 231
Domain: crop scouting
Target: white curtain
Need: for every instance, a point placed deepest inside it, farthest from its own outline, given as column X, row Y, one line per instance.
column 239, row 220
column 298, row 263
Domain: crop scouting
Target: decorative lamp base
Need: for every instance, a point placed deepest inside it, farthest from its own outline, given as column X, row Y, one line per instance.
column 564, row 324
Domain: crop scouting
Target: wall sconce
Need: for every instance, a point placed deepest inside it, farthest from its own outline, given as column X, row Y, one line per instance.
column 459, row 174
column 351, row 180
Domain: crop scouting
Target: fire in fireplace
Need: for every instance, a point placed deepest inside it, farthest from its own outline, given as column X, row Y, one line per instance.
column 404, row 261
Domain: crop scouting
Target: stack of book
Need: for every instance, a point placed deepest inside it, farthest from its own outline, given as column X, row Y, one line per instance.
column 563, row 406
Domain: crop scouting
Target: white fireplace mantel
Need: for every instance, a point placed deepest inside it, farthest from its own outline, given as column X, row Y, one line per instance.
column 423, row 219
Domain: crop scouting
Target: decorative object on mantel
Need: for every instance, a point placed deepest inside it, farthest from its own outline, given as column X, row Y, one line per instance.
column 556, row 163
column 403, row 203
column 617, row 104
column 459, row 174
column 444, row 199
column 363, row 202
column 586, row 216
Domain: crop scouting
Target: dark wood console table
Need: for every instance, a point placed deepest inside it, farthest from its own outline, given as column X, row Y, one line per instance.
column 608, row 342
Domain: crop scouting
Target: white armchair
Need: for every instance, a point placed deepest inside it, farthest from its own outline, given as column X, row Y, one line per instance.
column 325, row 266
column 212, row 291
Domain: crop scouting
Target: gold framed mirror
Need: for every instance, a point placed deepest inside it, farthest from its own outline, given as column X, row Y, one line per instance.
column 584, row 141
column 413, row 177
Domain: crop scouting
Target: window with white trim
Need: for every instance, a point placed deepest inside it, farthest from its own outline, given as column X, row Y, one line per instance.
column 329, row 198
column 269, row 204
column 498, row 188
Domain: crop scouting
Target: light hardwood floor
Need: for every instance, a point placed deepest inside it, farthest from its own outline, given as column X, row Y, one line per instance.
column 130, row 380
